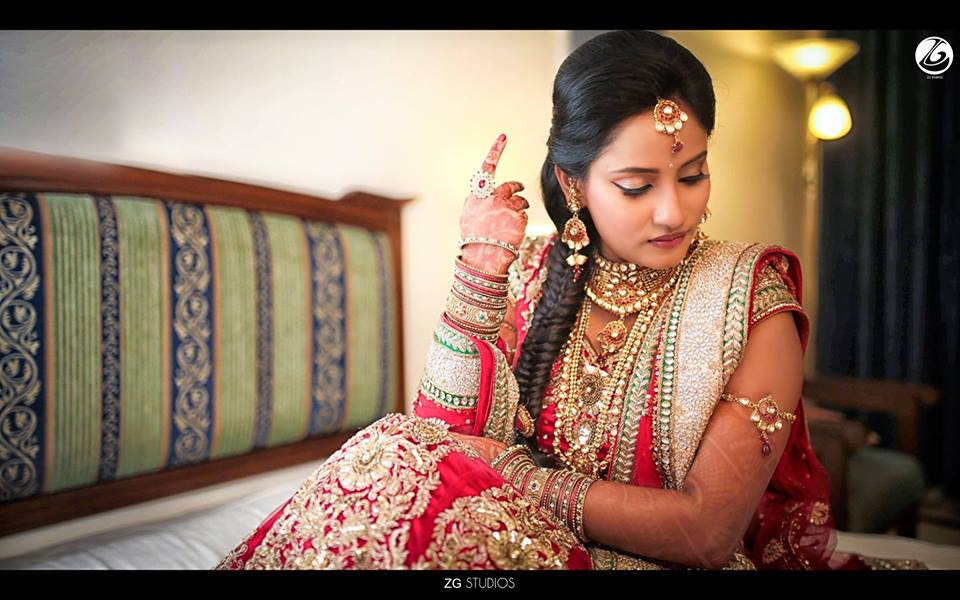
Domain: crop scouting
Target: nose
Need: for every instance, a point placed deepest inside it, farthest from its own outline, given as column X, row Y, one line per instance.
column 668, row 213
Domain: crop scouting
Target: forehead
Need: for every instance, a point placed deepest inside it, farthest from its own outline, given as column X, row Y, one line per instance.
column 637, row 143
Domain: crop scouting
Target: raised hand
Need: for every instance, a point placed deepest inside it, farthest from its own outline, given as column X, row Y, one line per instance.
column 500, row 216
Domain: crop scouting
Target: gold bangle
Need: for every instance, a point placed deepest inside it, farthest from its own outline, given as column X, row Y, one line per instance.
column 478, row 300
column 511, row 455
column 544, row 501
column 493, row 289
column 579, row 500
column 766, row 415
column 499, row 287
column 484, row 333
column 488, row 320
column 500, row 277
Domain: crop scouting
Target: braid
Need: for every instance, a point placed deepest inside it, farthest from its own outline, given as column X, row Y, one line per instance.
column 552, row 323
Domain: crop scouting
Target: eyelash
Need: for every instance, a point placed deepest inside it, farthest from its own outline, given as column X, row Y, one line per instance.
column 693, row 179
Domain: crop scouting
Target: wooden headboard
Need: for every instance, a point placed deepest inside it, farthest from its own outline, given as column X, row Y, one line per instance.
column 25, row 171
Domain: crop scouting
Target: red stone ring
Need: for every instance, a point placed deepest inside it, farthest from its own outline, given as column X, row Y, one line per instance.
column 482, row 184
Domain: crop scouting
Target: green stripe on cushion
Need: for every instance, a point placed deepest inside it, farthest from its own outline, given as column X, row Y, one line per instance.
column 142, row 323
column 235, row 353
column 292, row 328
column 76, row 340
column 364, row 344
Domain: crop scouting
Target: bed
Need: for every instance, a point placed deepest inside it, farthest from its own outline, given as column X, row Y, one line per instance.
column 87, row 249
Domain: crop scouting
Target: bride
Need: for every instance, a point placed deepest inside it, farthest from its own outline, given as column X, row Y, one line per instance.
column 624, row 393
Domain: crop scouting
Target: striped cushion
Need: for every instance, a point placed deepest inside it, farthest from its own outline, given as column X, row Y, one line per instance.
column 139, row 334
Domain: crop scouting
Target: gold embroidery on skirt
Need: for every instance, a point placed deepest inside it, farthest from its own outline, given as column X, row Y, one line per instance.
column 497, row 529
column 820, row 513
column 605, row 558
column 355, row 510
column 773, row 551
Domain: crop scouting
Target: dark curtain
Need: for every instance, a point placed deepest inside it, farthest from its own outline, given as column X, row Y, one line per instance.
column 890, row 234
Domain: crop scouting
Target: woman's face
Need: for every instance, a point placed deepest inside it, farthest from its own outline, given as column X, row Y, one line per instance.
column 673, row 191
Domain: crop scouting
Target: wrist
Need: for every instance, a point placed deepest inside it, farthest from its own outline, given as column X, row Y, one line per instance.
column 511, row 459
column 491, row 259
column 477, row 302
column 560, row 492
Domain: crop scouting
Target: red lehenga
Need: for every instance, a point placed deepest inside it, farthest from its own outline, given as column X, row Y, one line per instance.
column 404, row 494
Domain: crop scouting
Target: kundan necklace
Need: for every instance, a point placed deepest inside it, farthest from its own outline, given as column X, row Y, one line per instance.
column 588, row 405
column 624, row 289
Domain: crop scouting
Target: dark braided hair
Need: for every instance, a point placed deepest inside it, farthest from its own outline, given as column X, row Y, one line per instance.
column 605, row 81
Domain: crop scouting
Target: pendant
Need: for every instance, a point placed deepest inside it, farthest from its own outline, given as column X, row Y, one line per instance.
column 591, row 386
column 612, row 337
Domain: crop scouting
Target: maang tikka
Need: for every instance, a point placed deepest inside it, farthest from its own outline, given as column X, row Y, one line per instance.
column 669, row 119
column 575, row 234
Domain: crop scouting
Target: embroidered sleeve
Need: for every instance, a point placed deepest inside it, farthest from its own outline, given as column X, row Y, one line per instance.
column 523, row 268
column 774, row 291
column 526, row 277
column 467, row 382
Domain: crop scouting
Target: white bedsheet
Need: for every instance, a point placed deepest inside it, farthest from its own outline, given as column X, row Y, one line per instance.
column 195, row 530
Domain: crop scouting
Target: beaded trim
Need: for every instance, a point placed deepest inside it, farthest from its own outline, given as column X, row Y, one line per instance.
column 637, row 402
column 666, row 367
column 505, row 401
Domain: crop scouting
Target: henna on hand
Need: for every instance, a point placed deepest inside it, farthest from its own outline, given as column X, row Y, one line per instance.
column 500, row 216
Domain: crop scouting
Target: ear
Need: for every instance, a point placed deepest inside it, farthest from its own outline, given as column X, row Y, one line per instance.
column 564, row 180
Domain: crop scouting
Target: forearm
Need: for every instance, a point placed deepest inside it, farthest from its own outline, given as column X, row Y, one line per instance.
column 654, row 523
column 451, row 387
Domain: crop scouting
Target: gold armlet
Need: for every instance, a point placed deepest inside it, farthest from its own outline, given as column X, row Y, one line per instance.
column 766, row 415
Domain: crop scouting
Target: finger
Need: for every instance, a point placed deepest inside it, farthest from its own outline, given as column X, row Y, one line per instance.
column 505, row 190
column 493, row 156
column 518, row 203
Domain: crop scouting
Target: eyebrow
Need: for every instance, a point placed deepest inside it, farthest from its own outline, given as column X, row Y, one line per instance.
column 648, row 170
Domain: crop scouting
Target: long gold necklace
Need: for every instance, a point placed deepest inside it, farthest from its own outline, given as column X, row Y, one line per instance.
column 587, row 406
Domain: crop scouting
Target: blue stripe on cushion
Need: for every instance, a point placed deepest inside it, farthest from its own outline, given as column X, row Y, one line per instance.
column 191, row 305
column 264, row 304
column 329, row 328
column 21, row 353
column 110, row 337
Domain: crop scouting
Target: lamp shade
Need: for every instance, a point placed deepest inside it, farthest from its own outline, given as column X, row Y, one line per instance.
column 814, row 58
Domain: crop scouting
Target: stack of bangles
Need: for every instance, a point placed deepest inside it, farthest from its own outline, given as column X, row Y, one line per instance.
column 560, row 492
column 477, row 301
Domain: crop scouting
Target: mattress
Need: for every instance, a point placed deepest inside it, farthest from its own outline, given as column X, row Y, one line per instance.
column 195, row 530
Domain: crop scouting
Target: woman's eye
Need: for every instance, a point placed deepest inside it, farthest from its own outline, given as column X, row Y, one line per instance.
column 640, row 191
column 695, row 178
column 634, row 191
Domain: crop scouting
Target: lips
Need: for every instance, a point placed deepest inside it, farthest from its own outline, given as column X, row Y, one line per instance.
column 669, row 238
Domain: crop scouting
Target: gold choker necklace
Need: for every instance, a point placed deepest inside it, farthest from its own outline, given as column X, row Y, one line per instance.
column 625, row 289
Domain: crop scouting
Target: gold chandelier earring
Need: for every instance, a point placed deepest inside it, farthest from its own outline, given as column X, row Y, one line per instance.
column 575, row 234
column 701, row 235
